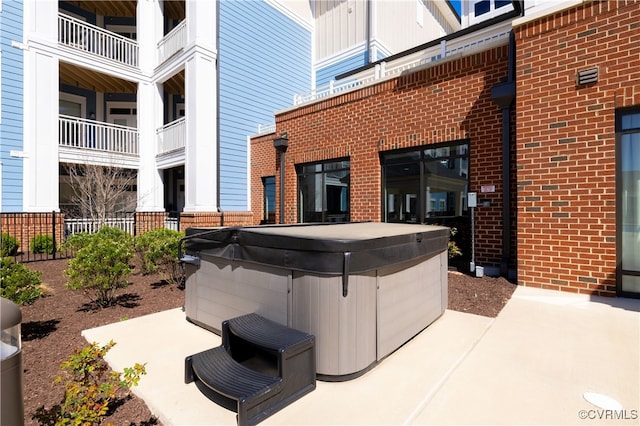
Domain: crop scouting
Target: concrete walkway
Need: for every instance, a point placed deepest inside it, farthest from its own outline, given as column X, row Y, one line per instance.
column 533, row 364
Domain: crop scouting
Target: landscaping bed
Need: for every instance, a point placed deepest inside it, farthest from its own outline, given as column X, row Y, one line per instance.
column 51, row 327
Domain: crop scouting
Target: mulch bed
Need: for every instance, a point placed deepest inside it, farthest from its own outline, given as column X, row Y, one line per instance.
column 51, row 327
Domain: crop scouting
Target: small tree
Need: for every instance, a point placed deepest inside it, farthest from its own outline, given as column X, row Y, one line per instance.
column 90, row 388
column 158, row 251
column 101, row 266
column 101, row 191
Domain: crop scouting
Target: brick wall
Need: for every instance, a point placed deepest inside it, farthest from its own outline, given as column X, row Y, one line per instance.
column 264, row 163
column 446, row 102
column 566, row 142
column 210, row 219
column 25, row 226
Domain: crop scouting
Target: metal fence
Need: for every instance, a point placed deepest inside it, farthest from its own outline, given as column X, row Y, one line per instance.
column 40, row 235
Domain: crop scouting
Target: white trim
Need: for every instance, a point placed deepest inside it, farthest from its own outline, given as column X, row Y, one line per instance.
column 276, row 4
column 543, row 9
column 249, row 192
column 340, row 56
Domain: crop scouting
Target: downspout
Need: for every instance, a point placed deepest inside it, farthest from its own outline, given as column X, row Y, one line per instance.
column 368, row 34
column 218, row 114
column 281, row 144
column 503, row 94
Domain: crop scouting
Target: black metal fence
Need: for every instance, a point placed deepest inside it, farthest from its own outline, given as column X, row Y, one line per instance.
column 40, row 235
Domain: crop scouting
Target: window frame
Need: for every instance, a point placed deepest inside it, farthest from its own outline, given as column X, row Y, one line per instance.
column 620, row 131
column 421, row 161
column 323, row 172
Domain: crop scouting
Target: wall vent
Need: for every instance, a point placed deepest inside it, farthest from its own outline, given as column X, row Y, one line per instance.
column 588, row 76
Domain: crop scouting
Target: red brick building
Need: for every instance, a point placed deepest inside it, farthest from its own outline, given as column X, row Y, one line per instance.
column 555, row 196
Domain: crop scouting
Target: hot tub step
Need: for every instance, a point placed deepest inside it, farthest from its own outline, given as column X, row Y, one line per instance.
column 260, row 368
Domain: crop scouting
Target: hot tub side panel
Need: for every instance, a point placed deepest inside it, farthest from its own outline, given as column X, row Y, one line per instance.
column 345, row 327
column 410, row 297
column 221, row 289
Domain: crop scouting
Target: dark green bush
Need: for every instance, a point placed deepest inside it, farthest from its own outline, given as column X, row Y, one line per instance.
column 8, row 245
column 18, row 283
column 42, row 243
column 158, row 252
column 101, row 265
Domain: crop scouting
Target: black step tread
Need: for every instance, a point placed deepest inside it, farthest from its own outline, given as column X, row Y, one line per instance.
column 266, row 333
column 216, row 369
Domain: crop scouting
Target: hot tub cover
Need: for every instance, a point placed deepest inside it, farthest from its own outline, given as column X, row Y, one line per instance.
column 334, row 249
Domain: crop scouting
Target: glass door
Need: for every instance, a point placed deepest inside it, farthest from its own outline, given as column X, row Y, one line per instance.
column 628, row 203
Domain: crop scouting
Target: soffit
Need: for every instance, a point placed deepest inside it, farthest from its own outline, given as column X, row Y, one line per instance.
column 75, row 76
column 127, row 8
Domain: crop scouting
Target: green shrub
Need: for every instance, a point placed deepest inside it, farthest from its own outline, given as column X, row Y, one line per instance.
column 18, row 283
column 42, row 243
column 101, row 266
column 158, row 252
column 8, row 245
column 89, row 388
column 454, row 250
column 75, row 242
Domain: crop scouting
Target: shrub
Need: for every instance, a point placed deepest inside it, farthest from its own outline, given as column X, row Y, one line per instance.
column 158, row 251
column 454, row 250
column 75, row 242
column 42, row 243
column 100, row 267
column 89, row 388
column 18, row 283
column 8, row 245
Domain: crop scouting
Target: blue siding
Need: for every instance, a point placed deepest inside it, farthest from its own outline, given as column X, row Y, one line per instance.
column 265, row 58
column 326, row 74
column 11, row 126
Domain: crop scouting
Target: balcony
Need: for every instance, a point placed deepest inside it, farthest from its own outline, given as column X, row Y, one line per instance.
column 79, row 35
column 173, row 42
column 91, row 141
column 171, row 142
column 447, row 49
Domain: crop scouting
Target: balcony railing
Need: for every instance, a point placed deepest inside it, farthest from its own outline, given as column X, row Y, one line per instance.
column 78, row 34
column 77, row 132
column 173, row 42
column 461, row 46
column 172, row 136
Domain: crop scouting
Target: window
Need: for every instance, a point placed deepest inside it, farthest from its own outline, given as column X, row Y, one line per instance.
column 480, row 10
column 628, row 201
column 269, row 199
column 426, row 185
column 323, row 191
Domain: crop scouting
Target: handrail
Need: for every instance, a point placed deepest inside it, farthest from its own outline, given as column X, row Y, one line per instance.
column 174, row 41
column 80, row 35
column 462, row 46
column 81, row 133
column 172, row 136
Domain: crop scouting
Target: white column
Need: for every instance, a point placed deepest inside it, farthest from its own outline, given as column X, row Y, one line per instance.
column 150, row 189
column 40, row 132
column 201, row 175
column 149, row 103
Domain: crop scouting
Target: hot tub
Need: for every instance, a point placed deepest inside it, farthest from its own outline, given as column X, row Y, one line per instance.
column 363, row 289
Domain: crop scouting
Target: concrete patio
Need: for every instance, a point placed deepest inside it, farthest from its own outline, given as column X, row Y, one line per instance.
column 533, row 364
